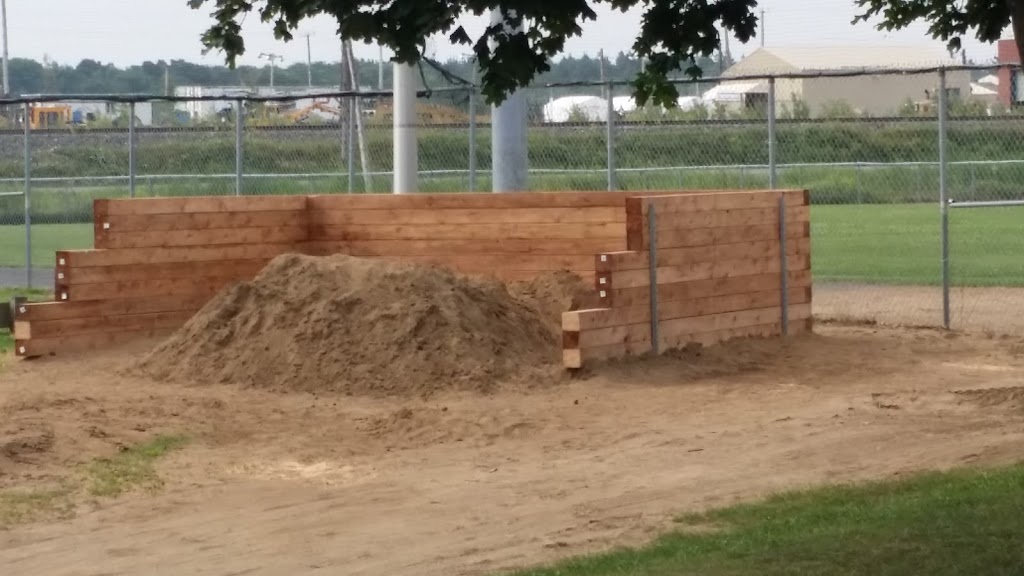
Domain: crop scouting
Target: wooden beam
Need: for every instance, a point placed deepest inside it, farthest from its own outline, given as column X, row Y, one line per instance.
column 480, row 200
column 133, row 256
column 701, row 270
column 630, row 260
column 582, row 320
column 618, row 298
column 494, row 231
column 179, row 238
column 396, row 248
column 401, row 216
column 100, row 325
column 180, row 287
column 200, row 221
column 50, row 311
column 35, row 348
column 115, row 207
column 74, row 276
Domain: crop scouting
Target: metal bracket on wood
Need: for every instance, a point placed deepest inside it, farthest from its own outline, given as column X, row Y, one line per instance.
column 783, row 266
column 652, row 233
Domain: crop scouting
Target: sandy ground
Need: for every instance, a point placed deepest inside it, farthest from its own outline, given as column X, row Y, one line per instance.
column 971, row 308
column 298, row 484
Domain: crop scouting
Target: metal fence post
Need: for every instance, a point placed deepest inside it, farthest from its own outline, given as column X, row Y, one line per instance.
column 783, row 267
column 472, row 133
column 239, row 125
column 352, row 147
column 944, row 196
column 772, row 180
column 28, row 195
column 652, row 265
column 610, row 129
column 131, row 150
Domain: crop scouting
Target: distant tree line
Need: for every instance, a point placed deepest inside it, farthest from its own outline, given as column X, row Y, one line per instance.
column 93, row 77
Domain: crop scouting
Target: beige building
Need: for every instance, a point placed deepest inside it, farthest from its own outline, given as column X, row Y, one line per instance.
column 871, row 95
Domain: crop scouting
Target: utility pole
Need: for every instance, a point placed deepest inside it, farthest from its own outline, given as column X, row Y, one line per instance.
column 600, row 57
column 167, row 79
column 761, row 21
column 508, row 131
column 380, row 70
column 272, row 58
column 309, row 62
column 3, row 16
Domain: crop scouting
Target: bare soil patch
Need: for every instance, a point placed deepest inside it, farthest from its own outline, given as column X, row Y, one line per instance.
column 460, row 482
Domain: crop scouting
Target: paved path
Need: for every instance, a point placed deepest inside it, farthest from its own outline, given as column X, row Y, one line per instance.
column 15, row 277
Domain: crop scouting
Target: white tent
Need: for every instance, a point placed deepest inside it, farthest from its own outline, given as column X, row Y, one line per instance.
column 566, row 108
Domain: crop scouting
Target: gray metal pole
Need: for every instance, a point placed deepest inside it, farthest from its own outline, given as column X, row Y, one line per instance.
column 944, row 196
column 28, row 195
column 472, row 133
column 610, row 138
column 509, row 154
column 772, row 164
column 7, row 82
column 239, row 129
column 652, row 265
column 783, row 267
column 352, row 148
column 131, row 150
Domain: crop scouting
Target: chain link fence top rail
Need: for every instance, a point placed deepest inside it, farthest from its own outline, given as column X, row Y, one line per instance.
column 865, row 143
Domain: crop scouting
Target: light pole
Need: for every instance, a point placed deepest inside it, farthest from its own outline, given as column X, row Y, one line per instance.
column 309, row 62
column 3, row 16
column 272, row 58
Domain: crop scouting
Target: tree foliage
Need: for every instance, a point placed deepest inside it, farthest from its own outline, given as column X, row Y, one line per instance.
column 949, row 20
column 674, row 34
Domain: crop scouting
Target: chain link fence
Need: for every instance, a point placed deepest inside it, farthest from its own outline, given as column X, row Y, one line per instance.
column 870, row 147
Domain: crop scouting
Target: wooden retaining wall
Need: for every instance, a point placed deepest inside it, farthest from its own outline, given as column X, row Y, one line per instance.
column 157, row 261
column 719, row 275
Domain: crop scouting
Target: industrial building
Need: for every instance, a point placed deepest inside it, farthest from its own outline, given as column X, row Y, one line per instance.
column 870, row 95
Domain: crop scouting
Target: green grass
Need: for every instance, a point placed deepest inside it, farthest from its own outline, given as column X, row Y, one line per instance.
column 132, row 469
column 900, row 244
column 46, row 240
column 941, row 524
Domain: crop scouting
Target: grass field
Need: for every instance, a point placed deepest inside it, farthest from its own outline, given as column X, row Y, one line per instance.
column 958, row 523
column 879, row 243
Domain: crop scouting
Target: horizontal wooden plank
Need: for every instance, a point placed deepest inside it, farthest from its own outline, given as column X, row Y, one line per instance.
column 114, row 207
column 593, row 319
column 367, row 248
column 701, row 271
column 671, row 206
column 213, row 237
column 181, row 287
column 496, row 231
column 459, row 200
column 400, row 216
column 579, row 358
column 200, row 221
column 619, row 298
column 101, row 325
column 682, row 238
column 34, row 348
column 677, row 332
column 722, row 218
column 74, row 276
column 526, row 275
column 129, row 256
column 503, row 262
column 49, row 311
column 630, row 260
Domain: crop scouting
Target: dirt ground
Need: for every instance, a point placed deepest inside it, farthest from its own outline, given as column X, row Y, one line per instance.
column 977, row 309
column 469, row 483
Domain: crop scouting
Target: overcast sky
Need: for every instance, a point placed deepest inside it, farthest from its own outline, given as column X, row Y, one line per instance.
column 127, row 32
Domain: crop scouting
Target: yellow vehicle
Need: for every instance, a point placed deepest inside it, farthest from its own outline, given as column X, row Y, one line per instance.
column 49, row 116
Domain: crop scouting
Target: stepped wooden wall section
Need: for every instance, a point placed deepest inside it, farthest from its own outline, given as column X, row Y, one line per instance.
column 158, row 260
column 719, row 275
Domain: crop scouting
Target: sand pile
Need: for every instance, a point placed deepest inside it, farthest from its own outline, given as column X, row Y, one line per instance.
column 370, row 327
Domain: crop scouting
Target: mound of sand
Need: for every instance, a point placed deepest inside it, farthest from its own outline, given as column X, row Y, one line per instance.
column 370, row 327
